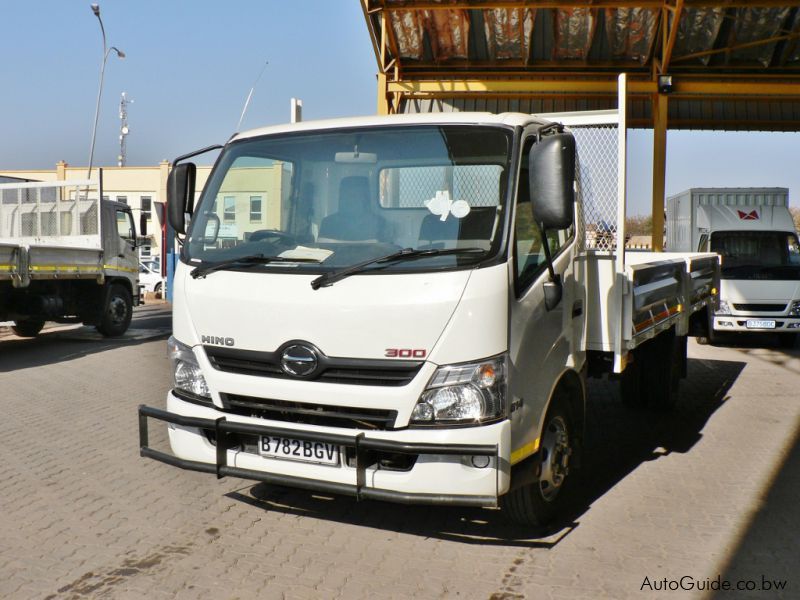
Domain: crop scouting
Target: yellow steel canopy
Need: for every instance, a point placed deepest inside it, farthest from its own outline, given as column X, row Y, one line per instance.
column 691, row 64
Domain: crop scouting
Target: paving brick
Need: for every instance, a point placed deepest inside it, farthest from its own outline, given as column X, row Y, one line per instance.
column 708, row 490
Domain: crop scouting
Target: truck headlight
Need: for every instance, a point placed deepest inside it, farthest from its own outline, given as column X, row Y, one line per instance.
column 465, row 393
column 794, row 310
column 186, row 375
column 724, row 308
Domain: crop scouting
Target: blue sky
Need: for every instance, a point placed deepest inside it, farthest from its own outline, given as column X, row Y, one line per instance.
column 190, row 65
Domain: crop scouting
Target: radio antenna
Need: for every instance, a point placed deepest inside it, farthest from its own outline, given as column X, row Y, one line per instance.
column 250, row 95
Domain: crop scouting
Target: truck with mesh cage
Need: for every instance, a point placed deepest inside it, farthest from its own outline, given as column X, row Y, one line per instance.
column 66, row 255
column 407, row 308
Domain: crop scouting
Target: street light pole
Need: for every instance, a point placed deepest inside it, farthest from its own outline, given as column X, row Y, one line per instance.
column 120, row 54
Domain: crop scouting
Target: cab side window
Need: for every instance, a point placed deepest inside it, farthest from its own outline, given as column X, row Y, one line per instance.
column 528, row 248
column 125, row 226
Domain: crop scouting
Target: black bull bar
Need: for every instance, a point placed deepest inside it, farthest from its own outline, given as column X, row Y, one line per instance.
column 361, row 444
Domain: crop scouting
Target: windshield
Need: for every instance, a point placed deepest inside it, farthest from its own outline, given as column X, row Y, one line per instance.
column 757, row 254
column 335, row 199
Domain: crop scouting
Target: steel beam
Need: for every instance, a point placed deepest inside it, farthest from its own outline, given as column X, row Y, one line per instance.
column 681, row 87
column 414, row 5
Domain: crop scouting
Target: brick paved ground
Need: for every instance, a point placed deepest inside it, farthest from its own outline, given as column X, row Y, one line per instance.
column 711, row 489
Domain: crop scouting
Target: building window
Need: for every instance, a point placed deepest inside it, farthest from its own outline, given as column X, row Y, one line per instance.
column 255, row 209
column 105, row 198
column 147, row 206
column 229, row 209
column 123, row 199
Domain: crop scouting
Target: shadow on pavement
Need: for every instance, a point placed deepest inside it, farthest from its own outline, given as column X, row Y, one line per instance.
column 768, row 551
column 618, row 441
column 59, row 345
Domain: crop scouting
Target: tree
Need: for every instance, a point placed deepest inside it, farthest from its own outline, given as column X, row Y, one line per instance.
column 639, row 225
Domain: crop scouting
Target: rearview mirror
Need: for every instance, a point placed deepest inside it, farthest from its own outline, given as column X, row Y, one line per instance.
column 143, row 225
column 551, row 169
column 180, row 195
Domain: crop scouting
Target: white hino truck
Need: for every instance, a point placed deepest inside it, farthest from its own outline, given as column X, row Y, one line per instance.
column 66, row 255
column 406, row 308
column 753, row 232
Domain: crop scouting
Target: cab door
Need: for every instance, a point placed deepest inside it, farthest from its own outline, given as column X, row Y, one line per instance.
column 542, row 340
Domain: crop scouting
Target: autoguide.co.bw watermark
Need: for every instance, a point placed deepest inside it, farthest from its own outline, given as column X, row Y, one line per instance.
column 689, row 583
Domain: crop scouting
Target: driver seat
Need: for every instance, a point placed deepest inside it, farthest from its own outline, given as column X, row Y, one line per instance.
column 355, row 220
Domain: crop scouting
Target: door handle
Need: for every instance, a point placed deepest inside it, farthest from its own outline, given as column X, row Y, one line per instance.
column 577, row 309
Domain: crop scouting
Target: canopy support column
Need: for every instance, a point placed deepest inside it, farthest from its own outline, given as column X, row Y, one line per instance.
column 659, row 168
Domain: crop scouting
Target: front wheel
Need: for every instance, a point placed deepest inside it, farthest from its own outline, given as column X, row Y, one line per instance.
column 118, row 312
column 27, row 327
column 787, row 340
column 539, row 502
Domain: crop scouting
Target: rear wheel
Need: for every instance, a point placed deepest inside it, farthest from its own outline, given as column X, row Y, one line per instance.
column 157, row 289
column 662, row 370
column 539, row 502
column 118, row 312
column 28, row 327
column 630, row 382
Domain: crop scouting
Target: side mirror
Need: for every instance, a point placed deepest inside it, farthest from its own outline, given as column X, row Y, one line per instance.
column 180, row 195
column 143, row 225
column 551, row 169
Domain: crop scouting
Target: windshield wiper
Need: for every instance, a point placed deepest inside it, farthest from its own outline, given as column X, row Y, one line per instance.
column 404, row 254
column 243, row 261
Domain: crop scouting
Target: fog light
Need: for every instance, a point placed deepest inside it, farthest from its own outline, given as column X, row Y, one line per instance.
column 480, row 462
column 793, row 326
column 725, row 324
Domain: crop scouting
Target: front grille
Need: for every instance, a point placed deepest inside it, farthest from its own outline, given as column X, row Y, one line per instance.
column 309, row 414
column 332, row 370
column 760, row 307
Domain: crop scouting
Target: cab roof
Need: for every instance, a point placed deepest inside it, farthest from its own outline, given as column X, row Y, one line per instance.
column 464, row 118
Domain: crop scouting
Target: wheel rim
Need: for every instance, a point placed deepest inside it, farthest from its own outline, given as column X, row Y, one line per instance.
column 555, row 457
column 117, row 310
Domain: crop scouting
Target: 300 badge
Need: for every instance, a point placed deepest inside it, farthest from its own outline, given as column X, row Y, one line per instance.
column 406, row 353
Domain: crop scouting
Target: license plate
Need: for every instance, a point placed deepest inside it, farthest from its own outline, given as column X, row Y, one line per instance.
column 305, row 451
column 759, row 324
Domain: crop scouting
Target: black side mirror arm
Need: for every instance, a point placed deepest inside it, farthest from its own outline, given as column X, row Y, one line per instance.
column 553, row 288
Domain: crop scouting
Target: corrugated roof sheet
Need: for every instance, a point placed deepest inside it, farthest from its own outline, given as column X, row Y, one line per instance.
column 485, row 39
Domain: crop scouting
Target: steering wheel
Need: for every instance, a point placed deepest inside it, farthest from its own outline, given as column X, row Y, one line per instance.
column 272, row 235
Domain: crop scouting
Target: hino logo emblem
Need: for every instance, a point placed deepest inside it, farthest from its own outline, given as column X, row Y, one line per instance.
column 299, row 360
column 217, row 340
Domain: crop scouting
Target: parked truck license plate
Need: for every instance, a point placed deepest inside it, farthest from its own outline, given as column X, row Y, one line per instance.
column 760, row 324
column 288, row 448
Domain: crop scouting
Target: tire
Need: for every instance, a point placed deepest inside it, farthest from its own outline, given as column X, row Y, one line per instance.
column 662, row 371
column 117, row 312
column 540, row 502
column 787, row 340
column 157, row 289
column 27, row 327
column 630, row 383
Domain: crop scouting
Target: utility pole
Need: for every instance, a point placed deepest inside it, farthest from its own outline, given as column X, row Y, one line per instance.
column 123, row 130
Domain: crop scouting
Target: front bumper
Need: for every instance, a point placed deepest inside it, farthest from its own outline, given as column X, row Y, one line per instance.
column 441, row 475
column 738, row 323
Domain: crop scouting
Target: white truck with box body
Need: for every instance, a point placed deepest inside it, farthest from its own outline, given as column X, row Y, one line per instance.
column 406, row 308
column 753, row 232
column 66, row 255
